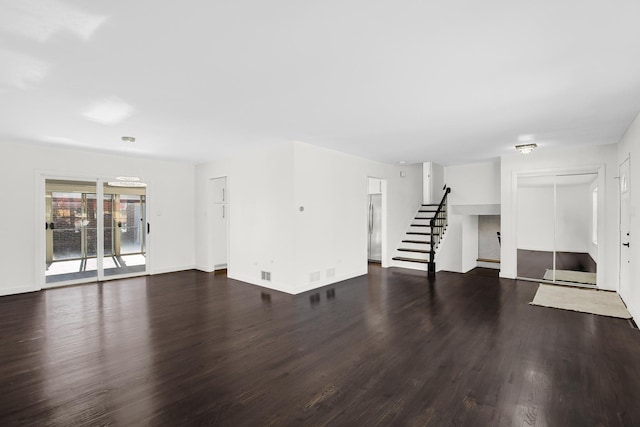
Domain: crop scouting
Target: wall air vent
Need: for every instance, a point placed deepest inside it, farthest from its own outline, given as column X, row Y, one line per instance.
column 266, row 276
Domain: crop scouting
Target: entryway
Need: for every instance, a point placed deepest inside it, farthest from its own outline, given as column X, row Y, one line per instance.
column 375, row 220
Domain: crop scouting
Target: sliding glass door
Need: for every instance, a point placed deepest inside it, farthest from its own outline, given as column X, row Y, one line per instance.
column 86, row 240
column 124, row 230
column 71, row 231
column 557, row 228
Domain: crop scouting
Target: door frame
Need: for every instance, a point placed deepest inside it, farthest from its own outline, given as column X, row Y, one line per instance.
column 41, row 176
column 589, row 169
column 620, row 237
column 383, row 219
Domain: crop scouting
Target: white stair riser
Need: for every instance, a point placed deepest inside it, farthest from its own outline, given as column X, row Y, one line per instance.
column 410, row 265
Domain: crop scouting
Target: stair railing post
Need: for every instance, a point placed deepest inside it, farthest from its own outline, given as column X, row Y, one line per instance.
column 431, row 270
column 441, row 220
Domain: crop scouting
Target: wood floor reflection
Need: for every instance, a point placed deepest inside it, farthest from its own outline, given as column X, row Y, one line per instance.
column 534, row 264
column 389, row 348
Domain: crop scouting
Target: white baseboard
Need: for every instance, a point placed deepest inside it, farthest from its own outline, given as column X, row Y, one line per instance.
column 172, row 269
column 281, row 287
column 209, row 269
column 21, row 290
column 484, row 264
column 507, row 275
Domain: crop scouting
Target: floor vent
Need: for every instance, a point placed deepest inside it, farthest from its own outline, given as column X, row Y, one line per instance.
column 266, row 275
column 314, row 276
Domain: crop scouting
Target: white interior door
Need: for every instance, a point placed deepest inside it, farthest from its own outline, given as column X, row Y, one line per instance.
column 625, row 233
column 219, row 221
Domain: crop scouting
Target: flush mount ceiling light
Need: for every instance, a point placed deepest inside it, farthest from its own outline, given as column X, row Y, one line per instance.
column 127, row 180
column 526, row 148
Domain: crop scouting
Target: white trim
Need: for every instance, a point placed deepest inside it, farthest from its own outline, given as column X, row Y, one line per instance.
column 63, row 283
column 280, row 287
column 619, row 192
column 172, row 270
column 20, row 290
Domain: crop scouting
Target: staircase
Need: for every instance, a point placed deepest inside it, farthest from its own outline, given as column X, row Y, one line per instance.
column 425, row 232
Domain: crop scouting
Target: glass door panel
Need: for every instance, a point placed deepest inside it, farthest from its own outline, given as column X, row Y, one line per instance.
column 70, row 231
column 124, row 230
column 535, row 227
column 576, row 239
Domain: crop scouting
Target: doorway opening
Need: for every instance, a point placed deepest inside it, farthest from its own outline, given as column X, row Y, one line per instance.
column 375, row 246
column 87, row 240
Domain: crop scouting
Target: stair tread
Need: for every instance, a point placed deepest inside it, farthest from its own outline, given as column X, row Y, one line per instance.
column 420, row 251
column 431, row 204
column 426, row 242
column 401, row 258
column 425, row 225
column 422, row 233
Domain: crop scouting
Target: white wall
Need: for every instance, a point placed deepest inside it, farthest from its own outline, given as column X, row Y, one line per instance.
column 474, row 183
column 331, row 233
column 329, row 237
column 578, row 160
column 261, row 214
column 473, row 186
column 170, row 204
column 630, row 146
column 433, row 182
column 567, row 228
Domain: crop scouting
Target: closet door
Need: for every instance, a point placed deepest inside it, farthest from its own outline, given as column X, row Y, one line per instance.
column 219, row 223
column 575, row 237
column 536, row 227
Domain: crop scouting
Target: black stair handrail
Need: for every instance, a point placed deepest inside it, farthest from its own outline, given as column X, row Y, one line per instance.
column 440, row 220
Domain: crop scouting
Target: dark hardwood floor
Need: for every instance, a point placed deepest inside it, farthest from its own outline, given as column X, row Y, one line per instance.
column 533, row 264
column 390, row 348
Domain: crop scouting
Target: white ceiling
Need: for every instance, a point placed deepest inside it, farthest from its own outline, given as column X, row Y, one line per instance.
column 395, row 80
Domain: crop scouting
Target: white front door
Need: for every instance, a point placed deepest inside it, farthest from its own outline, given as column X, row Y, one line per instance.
column 625, row 234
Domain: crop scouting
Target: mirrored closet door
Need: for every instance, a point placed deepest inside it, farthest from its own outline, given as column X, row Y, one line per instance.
column 557, row 217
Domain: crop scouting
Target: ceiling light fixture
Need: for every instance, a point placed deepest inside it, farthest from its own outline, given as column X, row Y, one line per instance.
column 526, row 148
column 127, row 180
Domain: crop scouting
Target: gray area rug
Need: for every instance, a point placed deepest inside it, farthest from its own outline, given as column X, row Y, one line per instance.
column 571, row 276
column 603, row 303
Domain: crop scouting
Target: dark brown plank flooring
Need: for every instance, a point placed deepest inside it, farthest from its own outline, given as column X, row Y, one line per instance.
column 533, row 264
column 389, row 348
